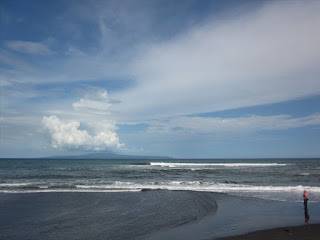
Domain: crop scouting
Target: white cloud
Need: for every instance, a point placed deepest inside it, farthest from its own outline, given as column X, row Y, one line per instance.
column 93, row 102
column 92, row 110
column 267, row 56
column 17, row 63
column 262, row 56
column 69, row 136
column 252, row 123
column 29, row 47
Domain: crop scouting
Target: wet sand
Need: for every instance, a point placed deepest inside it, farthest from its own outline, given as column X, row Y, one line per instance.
column 305, row 232
column 151, row 215
column 99, row 216
column 236, row 216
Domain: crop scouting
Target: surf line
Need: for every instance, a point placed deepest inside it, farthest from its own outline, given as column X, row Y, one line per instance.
column 164, row 164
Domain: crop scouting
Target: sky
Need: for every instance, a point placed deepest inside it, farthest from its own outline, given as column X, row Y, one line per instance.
column 185, row 79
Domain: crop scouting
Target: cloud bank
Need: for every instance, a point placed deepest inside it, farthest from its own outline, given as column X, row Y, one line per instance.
column 248, row 124
column 262, row 57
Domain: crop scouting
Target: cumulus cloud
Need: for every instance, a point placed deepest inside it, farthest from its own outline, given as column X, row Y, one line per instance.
column 69, row 136
column 92, row 110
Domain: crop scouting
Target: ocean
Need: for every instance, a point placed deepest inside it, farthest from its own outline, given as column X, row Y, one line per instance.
column 152, row 199
column 273, row 179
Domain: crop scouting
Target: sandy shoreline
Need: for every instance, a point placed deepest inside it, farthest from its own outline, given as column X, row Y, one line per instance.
column 307, row 232
column 240, row 215
column 151, row 215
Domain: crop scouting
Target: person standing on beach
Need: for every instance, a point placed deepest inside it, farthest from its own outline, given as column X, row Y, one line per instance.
column 305, row 199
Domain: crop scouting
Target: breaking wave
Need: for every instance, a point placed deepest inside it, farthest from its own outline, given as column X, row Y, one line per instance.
column 173, row 165
column 282, row 193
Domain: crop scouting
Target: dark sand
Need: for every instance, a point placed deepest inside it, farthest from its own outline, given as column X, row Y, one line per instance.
column 99, row 216
column 305, row 232
column 151, row 215
column 240, row 215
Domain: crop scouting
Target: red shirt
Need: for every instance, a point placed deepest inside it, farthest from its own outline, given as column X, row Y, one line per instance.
column 305, row 195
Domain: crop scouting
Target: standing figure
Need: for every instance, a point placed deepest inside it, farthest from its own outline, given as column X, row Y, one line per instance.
column 305, row 199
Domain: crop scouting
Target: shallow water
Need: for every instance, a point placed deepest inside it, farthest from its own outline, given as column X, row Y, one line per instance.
column 152, row 215
column 99, row 215
column 240, row 215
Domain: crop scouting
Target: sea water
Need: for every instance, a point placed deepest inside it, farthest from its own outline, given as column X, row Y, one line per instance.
column 270, row 179
column 153, row 199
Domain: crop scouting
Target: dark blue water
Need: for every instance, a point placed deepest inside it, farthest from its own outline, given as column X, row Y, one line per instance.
column 272, row 179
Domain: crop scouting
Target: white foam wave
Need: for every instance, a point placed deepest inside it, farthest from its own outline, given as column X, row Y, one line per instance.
column 193, row 165
column 69, row 190
column 282, row 193
column 174, row 185
column 304, row 174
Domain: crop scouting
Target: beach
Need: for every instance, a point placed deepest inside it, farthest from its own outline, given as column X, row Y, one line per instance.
column 304, row 232
column 112, row 215
column 152, row 215
column 146, row 199
column 240, row 215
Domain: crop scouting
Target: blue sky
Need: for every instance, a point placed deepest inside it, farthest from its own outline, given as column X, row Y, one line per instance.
column 186, row 79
